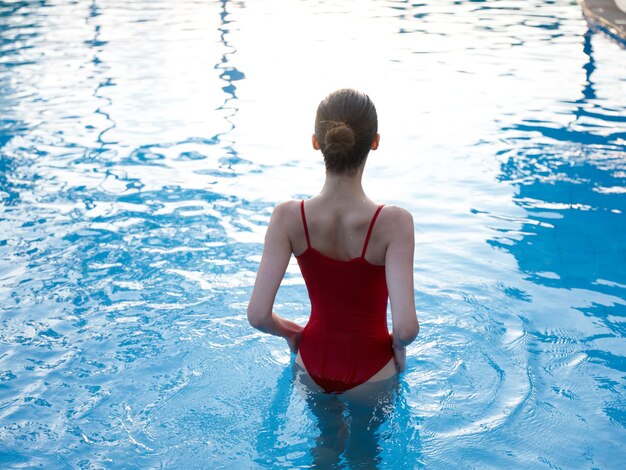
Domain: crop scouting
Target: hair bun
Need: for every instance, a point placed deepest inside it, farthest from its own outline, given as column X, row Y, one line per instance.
column 339, row 139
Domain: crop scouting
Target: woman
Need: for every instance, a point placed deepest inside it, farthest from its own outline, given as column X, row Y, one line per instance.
column 353, row 254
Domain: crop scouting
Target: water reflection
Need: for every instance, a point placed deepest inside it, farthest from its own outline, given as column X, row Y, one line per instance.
column 100, row 70
column 571, row 184
column 230, row 74
column 572, row 187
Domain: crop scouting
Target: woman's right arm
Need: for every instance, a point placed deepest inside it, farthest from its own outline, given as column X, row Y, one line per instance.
column 399, row 273
column 276, row 254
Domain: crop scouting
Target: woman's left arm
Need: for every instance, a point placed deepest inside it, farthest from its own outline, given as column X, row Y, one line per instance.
column 276, row 254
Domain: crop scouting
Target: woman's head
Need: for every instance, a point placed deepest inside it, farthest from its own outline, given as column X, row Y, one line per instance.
column 345, row 128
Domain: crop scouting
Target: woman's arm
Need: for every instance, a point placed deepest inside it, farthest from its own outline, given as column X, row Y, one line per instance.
column 399, row 273
column 276, row 254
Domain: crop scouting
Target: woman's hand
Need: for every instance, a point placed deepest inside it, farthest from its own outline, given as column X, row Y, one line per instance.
column 293, row 339
column 399, row 353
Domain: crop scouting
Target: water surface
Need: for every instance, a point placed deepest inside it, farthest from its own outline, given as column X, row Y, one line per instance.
column 143, row 146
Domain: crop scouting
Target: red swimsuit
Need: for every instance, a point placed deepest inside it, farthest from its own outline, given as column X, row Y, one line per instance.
column 346, row 340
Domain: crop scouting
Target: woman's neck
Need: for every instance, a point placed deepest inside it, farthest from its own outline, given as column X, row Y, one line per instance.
column 343, row 186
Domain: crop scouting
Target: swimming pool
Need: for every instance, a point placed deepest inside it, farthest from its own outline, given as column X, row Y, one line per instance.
column 143, row 146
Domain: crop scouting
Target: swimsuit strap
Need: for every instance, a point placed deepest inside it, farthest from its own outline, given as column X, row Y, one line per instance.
column 369, row 232
column 306, row 229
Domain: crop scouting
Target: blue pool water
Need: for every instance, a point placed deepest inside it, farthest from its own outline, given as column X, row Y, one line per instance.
column 142, row 148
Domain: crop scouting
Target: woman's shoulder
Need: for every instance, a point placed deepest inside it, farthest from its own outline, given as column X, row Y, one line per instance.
column 396, row 223
column 287, row 207
column 396, row 215
column 397, row 228
column 286, row 212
